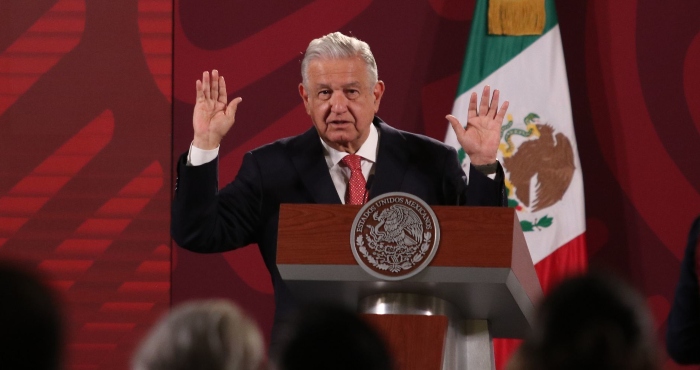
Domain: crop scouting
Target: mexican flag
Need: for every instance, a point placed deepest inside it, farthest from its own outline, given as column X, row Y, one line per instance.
column 538, row 147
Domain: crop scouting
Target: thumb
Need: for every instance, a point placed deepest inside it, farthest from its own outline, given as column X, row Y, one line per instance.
column 456, row 126
column 232, row 107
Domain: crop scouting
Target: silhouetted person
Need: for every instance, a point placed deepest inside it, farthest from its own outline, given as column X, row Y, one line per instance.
column 589, row 322
column 683, row 335
column 202, row 335
column 331, row 337
column 31, row 332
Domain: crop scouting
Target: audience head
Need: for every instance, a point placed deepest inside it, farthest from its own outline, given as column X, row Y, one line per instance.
column 331, row 337
column 202, row 335
column 338, row 46
column 31, row 332
column 590, row 322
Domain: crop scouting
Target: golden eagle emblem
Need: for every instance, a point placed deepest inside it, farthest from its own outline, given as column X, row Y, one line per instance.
column 543, row 161
column 549, row 160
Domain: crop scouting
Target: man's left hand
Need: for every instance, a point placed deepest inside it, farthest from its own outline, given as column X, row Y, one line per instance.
column 482, row 134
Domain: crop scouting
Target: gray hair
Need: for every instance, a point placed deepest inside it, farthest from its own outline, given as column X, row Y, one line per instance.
column 214, row 335
column 338, row 46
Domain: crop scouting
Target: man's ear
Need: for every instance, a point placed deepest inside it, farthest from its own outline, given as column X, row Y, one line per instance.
column 305, row 98
column 378, row 92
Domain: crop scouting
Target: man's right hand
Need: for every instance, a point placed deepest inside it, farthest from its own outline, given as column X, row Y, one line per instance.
column 212, row 116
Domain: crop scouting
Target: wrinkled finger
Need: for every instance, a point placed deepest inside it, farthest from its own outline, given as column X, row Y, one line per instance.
column 494, row 103
column 471, row 112
column 214, row 85
column 223, row 98
column 485, row 97
column 456, row 126
column 205, row 85
column 502, row 112
column 200, row 92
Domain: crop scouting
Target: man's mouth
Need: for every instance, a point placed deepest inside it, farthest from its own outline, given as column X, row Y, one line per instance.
column 337, row 122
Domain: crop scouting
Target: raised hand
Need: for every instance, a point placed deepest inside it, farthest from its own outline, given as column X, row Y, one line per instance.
column 482, row 134
column 212, row 117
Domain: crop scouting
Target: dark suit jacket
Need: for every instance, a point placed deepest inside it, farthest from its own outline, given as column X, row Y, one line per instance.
column 293, row 170
column 683, row 333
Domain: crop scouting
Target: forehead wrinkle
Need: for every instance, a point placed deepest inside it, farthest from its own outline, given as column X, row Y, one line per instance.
column 352, row 84
column 323, row 85
column 343, row 71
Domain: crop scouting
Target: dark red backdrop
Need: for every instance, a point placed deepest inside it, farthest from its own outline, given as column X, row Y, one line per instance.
column 86, row 130
column 85, row 142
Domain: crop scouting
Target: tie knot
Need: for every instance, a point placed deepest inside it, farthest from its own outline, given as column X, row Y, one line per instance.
column 352, row 161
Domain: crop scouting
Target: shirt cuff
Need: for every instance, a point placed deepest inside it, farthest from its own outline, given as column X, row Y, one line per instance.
column 198, row 157
column 466, row 170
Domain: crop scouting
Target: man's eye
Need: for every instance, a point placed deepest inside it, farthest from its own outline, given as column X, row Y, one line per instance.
column 324, row 94
column 352, row 93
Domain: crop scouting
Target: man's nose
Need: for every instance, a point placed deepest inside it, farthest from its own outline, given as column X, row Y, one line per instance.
column 339, row 102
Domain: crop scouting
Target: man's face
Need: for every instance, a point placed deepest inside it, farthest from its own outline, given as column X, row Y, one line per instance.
column 341, row 101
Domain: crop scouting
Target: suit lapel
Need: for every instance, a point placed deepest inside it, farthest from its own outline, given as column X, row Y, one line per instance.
column 392, row 161
column 307, row 155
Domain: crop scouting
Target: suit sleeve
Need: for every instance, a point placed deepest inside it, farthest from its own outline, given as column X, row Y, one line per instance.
column 480, row 190
column 683, row 333
column 207, row 220
column 484, row 191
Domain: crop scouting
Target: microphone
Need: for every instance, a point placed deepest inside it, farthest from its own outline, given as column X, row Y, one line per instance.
column 368, row 186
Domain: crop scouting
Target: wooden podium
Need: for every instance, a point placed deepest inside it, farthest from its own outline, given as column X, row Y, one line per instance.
column 481, row 282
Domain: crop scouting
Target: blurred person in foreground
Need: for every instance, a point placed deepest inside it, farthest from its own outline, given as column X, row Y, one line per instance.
column 589, row 322
column 683, row 334
column 31, row 328
column 202, row 335
column 330, row 337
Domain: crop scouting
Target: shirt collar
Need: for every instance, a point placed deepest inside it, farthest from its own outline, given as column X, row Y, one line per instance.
column 368, row 150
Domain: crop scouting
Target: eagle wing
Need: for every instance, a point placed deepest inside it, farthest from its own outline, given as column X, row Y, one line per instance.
column 412, row 225
column 553, row 180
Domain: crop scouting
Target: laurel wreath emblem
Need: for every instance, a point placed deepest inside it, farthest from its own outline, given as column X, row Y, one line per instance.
column 395, row 236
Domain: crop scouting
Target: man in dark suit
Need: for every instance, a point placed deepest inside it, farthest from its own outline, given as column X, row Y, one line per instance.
column 683, row 331
column 341, row 93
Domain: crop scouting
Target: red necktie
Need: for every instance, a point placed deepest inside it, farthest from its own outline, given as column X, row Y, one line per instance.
column 355, row 193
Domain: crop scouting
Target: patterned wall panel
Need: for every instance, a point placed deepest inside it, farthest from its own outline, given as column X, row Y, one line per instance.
column 631, row 68
column 85, row 131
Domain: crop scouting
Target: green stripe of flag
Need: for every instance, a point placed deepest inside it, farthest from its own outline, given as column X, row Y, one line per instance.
column 487, row 53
